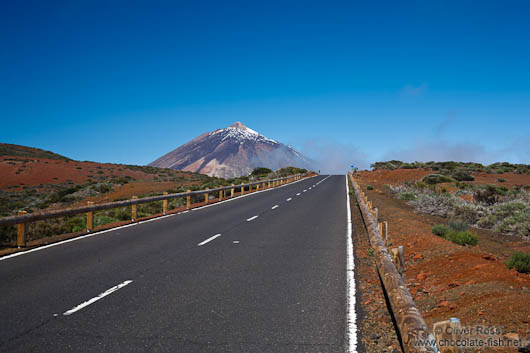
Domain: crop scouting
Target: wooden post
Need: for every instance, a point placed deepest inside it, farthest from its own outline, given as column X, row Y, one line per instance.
column 380, row 229
column 21, row 231
column 257, row 187
column 386, row 231
column 398, row 257
column 133, row 210
column 206, row 197
column 220, row 195
column 164, row 205
column 269, row 185
column 242, row 189
column 188, row 200
column 89, row 218
column 232, row 191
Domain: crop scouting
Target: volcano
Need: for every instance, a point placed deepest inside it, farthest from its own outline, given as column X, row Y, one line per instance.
column 231, row 152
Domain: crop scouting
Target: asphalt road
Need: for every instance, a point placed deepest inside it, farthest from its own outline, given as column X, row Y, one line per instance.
column 272, row 283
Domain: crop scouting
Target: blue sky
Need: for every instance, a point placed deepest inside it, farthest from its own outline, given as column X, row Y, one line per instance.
column 343, row 82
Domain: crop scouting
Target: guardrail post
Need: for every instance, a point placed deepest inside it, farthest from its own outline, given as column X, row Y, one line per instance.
column 386, row 231
column 376, row 215
column 21, row 231
column 257, row 187
column 448, row 331
column 242, row 189
column 89, row 218
column 398, row 257
column 269, row 185
column 220, row 195
column 133, row 209
column 232, row 191
column 164, row 205
column 188, row 200
column 206, row 197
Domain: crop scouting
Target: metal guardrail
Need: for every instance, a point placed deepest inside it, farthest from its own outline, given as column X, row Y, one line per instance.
column 413, row 330
column 24, row 218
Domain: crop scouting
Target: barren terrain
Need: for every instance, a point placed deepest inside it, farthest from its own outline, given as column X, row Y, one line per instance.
column 448, row 280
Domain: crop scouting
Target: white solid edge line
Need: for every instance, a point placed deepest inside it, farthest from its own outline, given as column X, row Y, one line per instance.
column 275, row 206
column 289, row 199
column 209, row 240
column 20, row 253
column 251, row 218
column 95, row 299
column 351, row 327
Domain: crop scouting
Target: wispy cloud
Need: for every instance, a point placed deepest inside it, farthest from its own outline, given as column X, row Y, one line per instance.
column 414, row 91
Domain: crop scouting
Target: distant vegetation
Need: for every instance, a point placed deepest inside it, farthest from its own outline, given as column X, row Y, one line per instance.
column 457, row 170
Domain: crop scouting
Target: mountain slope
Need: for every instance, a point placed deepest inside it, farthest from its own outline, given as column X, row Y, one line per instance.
column 231, row 152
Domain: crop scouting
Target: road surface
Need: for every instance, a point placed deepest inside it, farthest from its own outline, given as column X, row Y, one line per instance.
column 263, row 273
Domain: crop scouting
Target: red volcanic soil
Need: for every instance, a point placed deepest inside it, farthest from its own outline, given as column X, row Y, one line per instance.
column 448, row 280
column 16, row 172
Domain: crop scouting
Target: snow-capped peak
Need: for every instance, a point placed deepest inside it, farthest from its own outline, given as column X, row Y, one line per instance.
column 241, row 133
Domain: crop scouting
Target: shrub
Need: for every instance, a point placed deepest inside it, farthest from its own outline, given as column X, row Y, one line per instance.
column 462, row 176
column 488, row 194
column 458, row 225
column 261, row 171
column 369, row 187
column 436, row 179
column 440, row 230
column 520, row 261
column 407, row 196
column 462, row 238
column 501, row 180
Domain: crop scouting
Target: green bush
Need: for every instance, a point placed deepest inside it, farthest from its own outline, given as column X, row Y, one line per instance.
column 520, row 261
column 462, row 238
column 261, row 171
column 369, row 187
column 440, row 230
column 461, row 175
column 407, row 196
column 432, row 179
column 458, row 225
column 501, row 180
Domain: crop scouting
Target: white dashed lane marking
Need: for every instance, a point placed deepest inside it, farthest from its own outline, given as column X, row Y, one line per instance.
column 209, row 240
column 95, row 299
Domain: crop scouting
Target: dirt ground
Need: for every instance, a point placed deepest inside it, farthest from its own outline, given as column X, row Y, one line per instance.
column 17, row 172
column 447, row 280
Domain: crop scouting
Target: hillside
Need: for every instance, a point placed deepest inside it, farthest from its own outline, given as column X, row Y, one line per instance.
column 7, row 149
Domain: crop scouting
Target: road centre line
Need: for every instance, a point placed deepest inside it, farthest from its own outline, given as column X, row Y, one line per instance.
column 289, row 199
column 298, row 194
column 275, row 206
column 252, row 218
column 209, row 240
column 95, row 299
